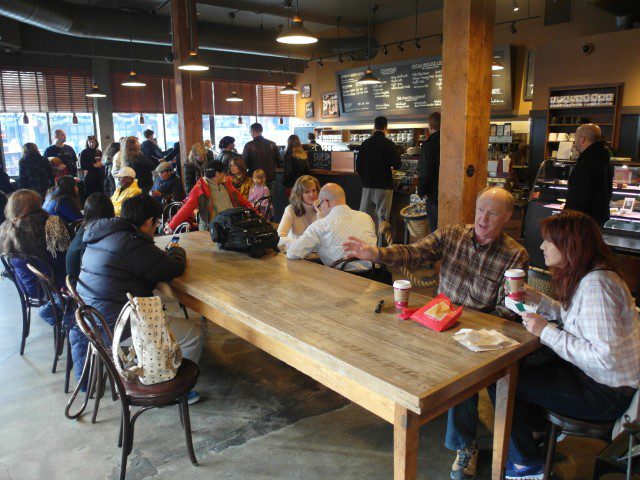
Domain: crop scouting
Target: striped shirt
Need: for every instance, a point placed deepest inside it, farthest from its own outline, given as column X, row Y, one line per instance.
column 601, row 333
column 470, row 274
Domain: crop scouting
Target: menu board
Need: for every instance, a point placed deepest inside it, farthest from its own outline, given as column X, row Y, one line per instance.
column 413, row 86
column 319, row 160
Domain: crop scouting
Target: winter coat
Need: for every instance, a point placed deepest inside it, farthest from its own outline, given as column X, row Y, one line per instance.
column 62, row 207
column 377, row 156
column 94, row 175
column 170, row 186
column 119, row 196
column 119, row 259
column 294, row 168
column 429, row 167
column 35, row 173
column 194, row 171
column 67, row 154
column 263, row 154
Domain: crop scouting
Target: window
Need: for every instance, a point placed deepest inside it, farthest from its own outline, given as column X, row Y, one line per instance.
column 76, row 134
column 15, row 134
column 279, row 133
column 171, row 128
column 128, row 124
column 227, row 125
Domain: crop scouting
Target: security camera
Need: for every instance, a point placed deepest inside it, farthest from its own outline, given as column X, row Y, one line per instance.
column 169, row 57
column 587, row 48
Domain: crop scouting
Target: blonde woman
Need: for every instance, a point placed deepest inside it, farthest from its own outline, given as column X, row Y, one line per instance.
column 300, row 213
column 194, row 167
column 239, row 176
column 295, row 163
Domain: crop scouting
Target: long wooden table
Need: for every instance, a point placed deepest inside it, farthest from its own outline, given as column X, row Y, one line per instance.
column 321, row 321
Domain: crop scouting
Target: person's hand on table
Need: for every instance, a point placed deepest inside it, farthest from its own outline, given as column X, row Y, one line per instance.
column 534, row 323
column 168, row 230
column 356, row 248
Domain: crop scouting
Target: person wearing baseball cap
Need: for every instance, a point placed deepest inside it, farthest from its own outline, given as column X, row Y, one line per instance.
column 128, row 187
column 167, row 184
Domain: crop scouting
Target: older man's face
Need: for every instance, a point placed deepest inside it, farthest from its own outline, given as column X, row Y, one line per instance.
column 492, row 215
column 61, row 136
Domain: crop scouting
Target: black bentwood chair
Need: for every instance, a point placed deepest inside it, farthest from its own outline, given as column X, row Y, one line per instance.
column 94, row 373
column 264, row 208
column 26, row 302
column 135, row 394
column 54, row 296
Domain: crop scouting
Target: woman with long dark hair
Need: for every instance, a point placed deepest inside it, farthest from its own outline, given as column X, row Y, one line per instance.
column 91, row 165
column 35, row 171
column 597, row 368
column 295, row 163
column 63, row 200
column 228, row 152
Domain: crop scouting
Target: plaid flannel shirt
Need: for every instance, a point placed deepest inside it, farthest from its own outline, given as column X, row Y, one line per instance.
column 470, row 274
column 601, row 333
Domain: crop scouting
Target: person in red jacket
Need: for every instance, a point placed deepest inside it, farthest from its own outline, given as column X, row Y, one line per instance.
column 211, row 195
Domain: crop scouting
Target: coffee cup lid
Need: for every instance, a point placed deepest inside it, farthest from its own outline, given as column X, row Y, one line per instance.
column 514, row 272
column 402, row 284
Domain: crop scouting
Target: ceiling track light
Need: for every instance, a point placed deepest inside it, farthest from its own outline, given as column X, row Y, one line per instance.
column 401, row 47
column 513, row 28
column 340, row 59
column 306, row 64
column 352, row 57
column 516, row 7
column 321, row 62
column 417, row 44
column 441, row 39
column 385, row 50
column 269, row 73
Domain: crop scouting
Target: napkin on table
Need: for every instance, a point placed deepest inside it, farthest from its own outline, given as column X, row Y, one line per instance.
column 483, row 340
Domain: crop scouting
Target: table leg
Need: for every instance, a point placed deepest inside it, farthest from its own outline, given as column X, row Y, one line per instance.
column 505, row 396
column 405, row 444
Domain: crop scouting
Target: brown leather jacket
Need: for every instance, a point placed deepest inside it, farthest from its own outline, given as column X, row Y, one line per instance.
column 261, row 153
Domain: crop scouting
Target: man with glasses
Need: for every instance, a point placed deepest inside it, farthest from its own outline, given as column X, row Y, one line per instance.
column 64, row 152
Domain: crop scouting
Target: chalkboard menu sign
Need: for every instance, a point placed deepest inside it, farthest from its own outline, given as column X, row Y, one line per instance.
column 319, row 160
column 413, row 86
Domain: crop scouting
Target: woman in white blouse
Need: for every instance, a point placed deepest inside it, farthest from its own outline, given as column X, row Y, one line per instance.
column 592, row 328
column 300, row 213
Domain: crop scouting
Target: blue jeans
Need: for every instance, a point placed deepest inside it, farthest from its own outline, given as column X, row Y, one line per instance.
column 462, row 424
column 563, row 388
column 432, row 213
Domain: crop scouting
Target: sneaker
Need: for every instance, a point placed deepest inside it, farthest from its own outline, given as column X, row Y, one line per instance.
column 528, row 472
column 193, row 397
column 464, row 467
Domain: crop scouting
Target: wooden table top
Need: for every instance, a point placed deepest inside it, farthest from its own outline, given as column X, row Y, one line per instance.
column 328, row 315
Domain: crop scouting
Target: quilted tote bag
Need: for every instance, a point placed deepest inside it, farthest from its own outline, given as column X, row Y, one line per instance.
column 154, row 356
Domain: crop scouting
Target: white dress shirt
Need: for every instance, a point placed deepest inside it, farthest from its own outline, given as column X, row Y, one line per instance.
column 601, row 333
column 327, row 235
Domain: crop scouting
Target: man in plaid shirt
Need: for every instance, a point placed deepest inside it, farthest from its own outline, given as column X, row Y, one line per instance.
column 474, row 260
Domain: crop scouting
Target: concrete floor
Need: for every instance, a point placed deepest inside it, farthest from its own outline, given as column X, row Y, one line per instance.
column 259, row 419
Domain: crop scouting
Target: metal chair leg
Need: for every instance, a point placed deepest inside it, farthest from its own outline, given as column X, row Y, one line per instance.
column 99, row 391
column 551, row 450
column 184, row 410
column 184, row 309
column 67, row 373
column 25, row 325
column 56, row 349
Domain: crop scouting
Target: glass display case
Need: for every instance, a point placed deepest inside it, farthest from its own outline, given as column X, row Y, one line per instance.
column 548, row 195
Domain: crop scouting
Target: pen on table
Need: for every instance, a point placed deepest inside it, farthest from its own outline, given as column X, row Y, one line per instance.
column 379, row 306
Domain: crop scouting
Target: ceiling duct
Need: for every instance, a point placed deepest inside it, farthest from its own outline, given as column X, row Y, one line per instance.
column 74, row 20
column 627, row 12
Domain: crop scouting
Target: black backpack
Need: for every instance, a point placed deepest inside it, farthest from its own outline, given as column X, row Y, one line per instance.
column 243, row 230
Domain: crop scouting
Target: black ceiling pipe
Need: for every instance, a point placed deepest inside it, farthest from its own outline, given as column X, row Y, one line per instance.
column 625, row 11
column 75, row 20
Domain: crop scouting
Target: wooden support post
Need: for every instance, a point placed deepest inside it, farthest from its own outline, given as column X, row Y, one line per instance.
column 467, row 56
column 188, row 101
column 505, row 398
column 406, row 428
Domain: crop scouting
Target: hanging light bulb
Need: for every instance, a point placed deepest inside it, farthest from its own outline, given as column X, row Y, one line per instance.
column 289, row 89
column 95, row 92
column 239, row 120
column 74, row 119
column 192, row 64
column 516, row 7
column 296, row 34
column 496, row 65
column 133, row 81
column 141, row 119
column 25, row 118
column 281, row 121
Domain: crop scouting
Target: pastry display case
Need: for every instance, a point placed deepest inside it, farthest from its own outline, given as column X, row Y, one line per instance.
column 548, row 195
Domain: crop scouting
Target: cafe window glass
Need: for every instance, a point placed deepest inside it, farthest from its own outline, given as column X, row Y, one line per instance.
column 128, row 124
column 76, row 134
column 227, row 125
column 275, row 132
column 171, row 128
column 15, row 134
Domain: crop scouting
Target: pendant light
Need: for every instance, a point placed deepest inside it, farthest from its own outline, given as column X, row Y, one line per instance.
column 296, row 34
column 368, row 78
column 234, row 97
column 74, row 117
column 496, row 65
column 95, row 91
column 141, row 119
column 239, row 120
column 281, row 121
column 25, row 117
column 289, row 89
column 133, row 80
column 192, row 63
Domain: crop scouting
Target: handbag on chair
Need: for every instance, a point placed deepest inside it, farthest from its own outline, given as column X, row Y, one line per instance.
column 155, row 355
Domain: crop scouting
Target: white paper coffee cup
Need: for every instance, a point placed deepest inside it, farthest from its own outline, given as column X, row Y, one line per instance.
column 514, row 283
column 401, row 291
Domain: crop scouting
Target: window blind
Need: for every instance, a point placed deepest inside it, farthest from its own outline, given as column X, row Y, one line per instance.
column 147, row 99
column 273, row 104
column 223, row 89
column 47, row 90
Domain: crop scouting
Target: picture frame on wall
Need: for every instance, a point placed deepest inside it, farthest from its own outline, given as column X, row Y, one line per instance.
column 493, row 129
column 507, row 129
column 500, row 130
column 308, row 110
column 330, row 105
column 527, row 94
column 305, row 91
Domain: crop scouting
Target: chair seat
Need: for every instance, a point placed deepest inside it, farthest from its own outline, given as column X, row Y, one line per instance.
column 165, row 392
column 581, row 428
